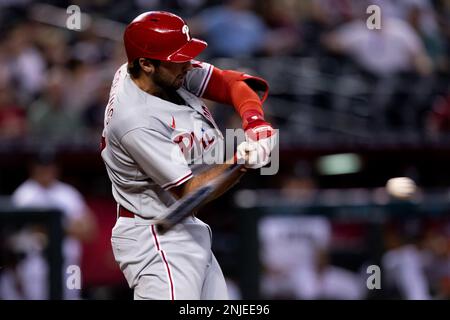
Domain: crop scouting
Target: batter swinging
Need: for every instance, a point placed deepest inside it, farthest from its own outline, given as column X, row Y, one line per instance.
column 154, row 121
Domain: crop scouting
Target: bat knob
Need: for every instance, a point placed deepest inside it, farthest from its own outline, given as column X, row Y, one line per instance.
column 161, row 228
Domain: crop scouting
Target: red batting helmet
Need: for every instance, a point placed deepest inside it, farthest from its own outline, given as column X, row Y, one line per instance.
column 161, row 36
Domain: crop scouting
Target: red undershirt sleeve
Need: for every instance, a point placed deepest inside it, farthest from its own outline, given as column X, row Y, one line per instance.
column 237, row 89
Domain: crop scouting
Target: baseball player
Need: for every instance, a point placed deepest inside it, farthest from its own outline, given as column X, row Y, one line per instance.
column 157, row 128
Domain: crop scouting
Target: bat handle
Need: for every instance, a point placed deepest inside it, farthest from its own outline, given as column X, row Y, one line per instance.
column 162, row 228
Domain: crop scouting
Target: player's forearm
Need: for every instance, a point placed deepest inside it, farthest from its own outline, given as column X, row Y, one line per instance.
column 227, row 183
column 207, row 176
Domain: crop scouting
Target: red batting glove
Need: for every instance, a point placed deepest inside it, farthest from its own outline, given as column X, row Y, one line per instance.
column 255, row 127
column 260, row 139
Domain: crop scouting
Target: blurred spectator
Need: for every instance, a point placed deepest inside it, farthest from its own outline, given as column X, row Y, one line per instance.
column 423, row 19
column 44, row 190
column 53, row 44
column 232, row 29
column 295, row 251
column 5, row 72
column 438, row 118
column 394, row 48
column 416, row 263
column 49, row 117
column 422, row 16
column 88, row 48
column 404, row 262
column 295, row 259
column 23, row 265
column 185, row 8
column 283, row 17
column 437, row 241
column 319, row 16
column 80, row 85
column 13, row 122
column 419, row 13
column 331, row 13
column 118, row 56
column 26, row 65
column 93, row 116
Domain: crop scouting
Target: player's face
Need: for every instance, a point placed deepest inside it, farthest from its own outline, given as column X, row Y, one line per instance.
column 45, row 175
column 170, row 75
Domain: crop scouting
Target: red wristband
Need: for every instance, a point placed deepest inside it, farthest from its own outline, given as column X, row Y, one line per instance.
column 251, row 117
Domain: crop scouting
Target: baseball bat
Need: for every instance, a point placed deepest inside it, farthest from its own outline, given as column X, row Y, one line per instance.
column 194, row 200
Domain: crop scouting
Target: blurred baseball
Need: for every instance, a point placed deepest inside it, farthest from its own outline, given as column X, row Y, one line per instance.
column 401, row 187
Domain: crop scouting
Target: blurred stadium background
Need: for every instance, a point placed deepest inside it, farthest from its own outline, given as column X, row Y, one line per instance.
column 355, row 107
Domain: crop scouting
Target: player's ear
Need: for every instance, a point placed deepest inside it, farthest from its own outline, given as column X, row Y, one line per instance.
column 146, row 65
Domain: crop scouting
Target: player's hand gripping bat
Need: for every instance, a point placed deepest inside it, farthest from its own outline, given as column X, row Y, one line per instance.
column 194, row 200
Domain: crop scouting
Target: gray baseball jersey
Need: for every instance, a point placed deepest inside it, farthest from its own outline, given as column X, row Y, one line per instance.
column 151, row 145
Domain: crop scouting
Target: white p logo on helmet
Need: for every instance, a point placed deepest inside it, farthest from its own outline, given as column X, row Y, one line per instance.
column 185, row 31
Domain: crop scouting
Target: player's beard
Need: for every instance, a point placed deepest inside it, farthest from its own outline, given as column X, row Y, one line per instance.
column 166, row 82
